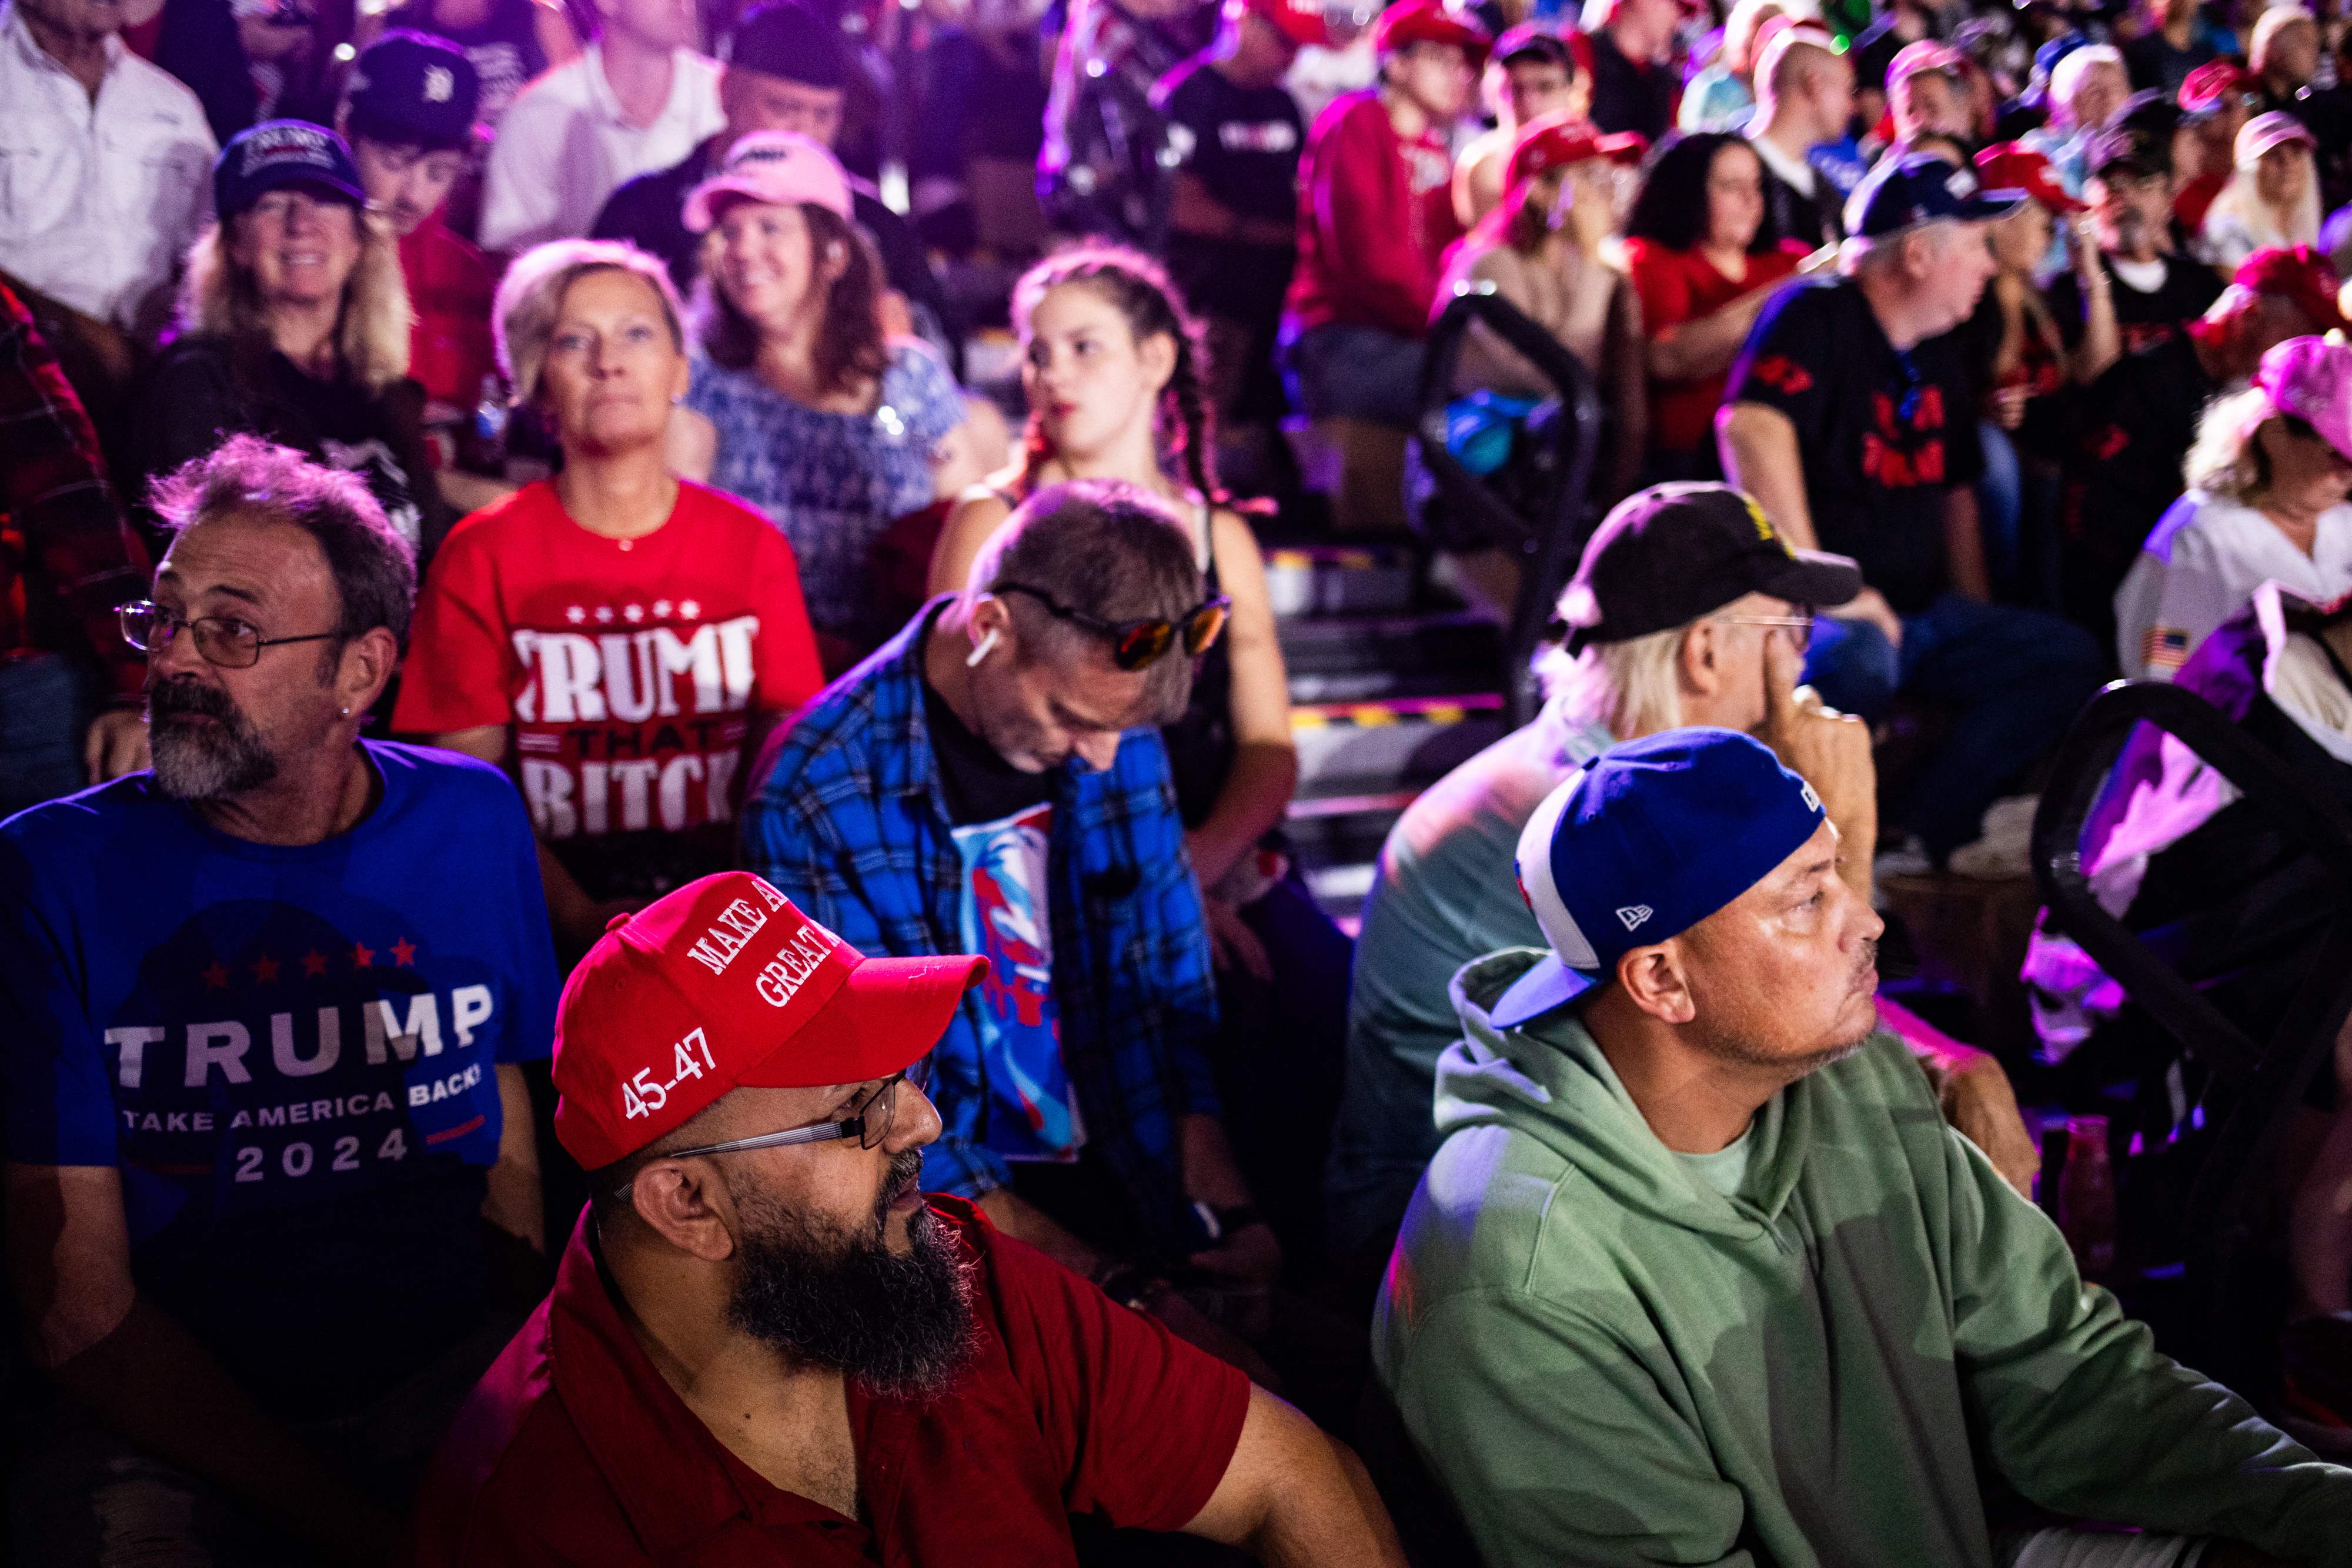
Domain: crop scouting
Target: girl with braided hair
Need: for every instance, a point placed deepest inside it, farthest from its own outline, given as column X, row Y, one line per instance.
column 1117, row 389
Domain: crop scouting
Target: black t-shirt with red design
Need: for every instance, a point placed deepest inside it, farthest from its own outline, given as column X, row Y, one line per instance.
column 2143, row 317
column 1884, row 434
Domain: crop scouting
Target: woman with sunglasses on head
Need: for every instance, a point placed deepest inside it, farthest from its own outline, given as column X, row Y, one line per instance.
column 1112, row 367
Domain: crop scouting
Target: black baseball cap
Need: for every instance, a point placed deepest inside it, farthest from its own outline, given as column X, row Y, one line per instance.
column 412, row 87
column 1922, row 188
column 1667, row 555
column 2134, row 149
column 276, row 153
column 791, row 41
column 1531, row 41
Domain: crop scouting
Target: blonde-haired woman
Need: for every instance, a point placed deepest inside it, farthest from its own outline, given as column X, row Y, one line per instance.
column 2268, row 479
column 2272, row 197
column 618, row 638
column 294, row 324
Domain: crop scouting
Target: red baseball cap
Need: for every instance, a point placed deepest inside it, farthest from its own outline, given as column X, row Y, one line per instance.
column 1300, row 21
column 2304, row 275
column 723, row 985
column 1429, row 22
column 2209, row 88
column 1559, row 139
column 2007, row 166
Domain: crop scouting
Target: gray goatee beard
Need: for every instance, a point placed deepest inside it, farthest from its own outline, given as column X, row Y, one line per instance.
column 203, row 762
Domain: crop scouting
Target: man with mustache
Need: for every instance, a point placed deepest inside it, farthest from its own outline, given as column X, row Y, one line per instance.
column 262, row 1015
column 766, row 1345
column 1700, row 1276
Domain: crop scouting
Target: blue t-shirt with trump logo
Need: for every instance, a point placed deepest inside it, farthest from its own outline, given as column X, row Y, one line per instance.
column 288, row 1052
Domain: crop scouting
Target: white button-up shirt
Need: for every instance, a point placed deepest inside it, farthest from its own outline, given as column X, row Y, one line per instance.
column 563, row 146
column 98, row 200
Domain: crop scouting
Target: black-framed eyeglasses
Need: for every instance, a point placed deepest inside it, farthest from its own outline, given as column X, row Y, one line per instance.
column 1800, row 628
column 1137, row 644
column 223, row 640
column 869, row 1122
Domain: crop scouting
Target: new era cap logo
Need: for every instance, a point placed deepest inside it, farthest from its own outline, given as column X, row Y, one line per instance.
column 1633, row 915
column 1962, row 185
column 440, row 84
column 1812, row 800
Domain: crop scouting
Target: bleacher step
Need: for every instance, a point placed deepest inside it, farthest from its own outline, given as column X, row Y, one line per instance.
column 1340, row 659
column 1391, row 746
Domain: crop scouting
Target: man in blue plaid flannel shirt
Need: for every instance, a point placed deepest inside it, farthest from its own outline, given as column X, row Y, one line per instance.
column 988, row 782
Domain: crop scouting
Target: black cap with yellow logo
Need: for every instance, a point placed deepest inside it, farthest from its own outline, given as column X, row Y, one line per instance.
column 1667, row 555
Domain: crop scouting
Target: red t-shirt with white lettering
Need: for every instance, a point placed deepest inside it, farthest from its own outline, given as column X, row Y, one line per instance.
column 630, row 670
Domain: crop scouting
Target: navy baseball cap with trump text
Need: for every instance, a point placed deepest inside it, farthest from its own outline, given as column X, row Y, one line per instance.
column 1646, row 840
column 276, row 153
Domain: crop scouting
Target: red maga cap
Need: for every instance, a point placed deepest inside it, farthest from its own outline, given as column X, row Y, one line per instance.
column 1428, row 22
column 2304, row 275
column 1300, row 21
column 723, row 985
column 2209, row 88
column 1559, row 139
column 2007, row 166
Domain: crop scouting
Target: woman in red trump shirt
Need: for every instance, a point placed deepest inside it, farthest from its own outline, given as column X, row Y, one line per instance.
column 619, row 640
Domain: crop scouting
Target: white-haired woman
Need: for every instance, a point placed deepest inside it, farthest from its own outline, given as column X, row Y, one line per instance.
column 618, row 638
column 2272, row 197
column 2268, row 479
column 294, row 324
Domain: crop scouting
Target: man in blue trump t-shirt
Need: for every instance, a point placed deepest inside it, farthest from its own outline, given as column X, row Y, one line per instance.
column 261, row 1010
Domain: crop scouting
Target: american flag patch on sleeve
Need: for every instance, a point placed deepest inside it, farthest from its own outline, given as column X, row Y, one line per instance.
column 2163, row 648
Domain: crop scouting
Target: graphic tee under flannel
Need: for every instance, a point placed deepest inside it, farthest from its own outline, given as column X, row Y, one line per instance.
column 849, row 819
column 1003, row 831
column 288, row 1052
column 630, row 670
column 1884, row 434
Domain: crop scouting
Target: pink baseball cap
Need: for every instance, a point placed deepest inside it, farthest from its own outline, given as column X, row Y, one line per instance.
column 2264, row 131
column 1926, row 55
column 2311, row 379
column 724, row 985
column 782, row 168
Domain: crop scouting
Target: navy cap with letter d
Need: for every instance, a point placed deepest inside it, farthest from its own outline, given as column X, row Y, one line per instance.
column 1646, row 840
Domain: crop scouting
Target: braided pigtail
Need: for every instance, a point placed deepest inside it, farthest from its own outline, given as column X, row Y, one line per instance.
column 1141, row 291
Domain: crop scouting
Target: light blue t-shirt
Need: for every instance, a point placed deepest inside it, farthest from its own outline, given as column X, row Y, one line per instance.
column 1444, row 893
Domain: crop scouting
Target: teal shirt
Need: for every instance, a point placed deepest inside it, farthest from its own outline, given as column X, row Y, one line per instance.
column 1445, row 892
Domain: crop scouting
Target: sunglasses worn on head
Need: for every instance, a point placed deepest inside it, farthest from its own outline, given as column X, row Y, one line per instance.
column 1137, row 644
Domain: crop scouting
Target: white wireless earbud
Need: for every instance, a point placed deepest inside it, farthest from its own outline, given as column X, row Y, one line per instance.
column 980, row 650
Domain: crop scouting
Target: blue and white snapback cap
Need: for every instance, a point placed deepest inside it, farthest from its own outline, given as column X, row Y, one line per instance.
column 1646, row 840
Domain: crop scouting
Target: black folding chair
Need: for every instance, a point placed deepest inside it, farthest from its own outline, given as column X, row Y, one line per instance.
column 1548, row 543
column 2255, row 1087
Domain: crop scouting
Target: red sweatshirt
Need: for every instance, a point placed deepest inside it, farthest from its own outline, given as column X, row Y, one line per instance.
column 1375, row 216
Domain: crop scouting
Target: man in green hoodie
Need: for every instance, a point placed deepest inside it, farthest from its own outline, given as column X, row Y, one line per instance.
column 1688, row 608
column 1700, row 1276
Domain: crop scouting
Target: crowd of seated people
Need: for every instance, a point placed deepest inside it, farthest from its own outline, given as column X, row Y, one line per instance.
column 645, row 749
